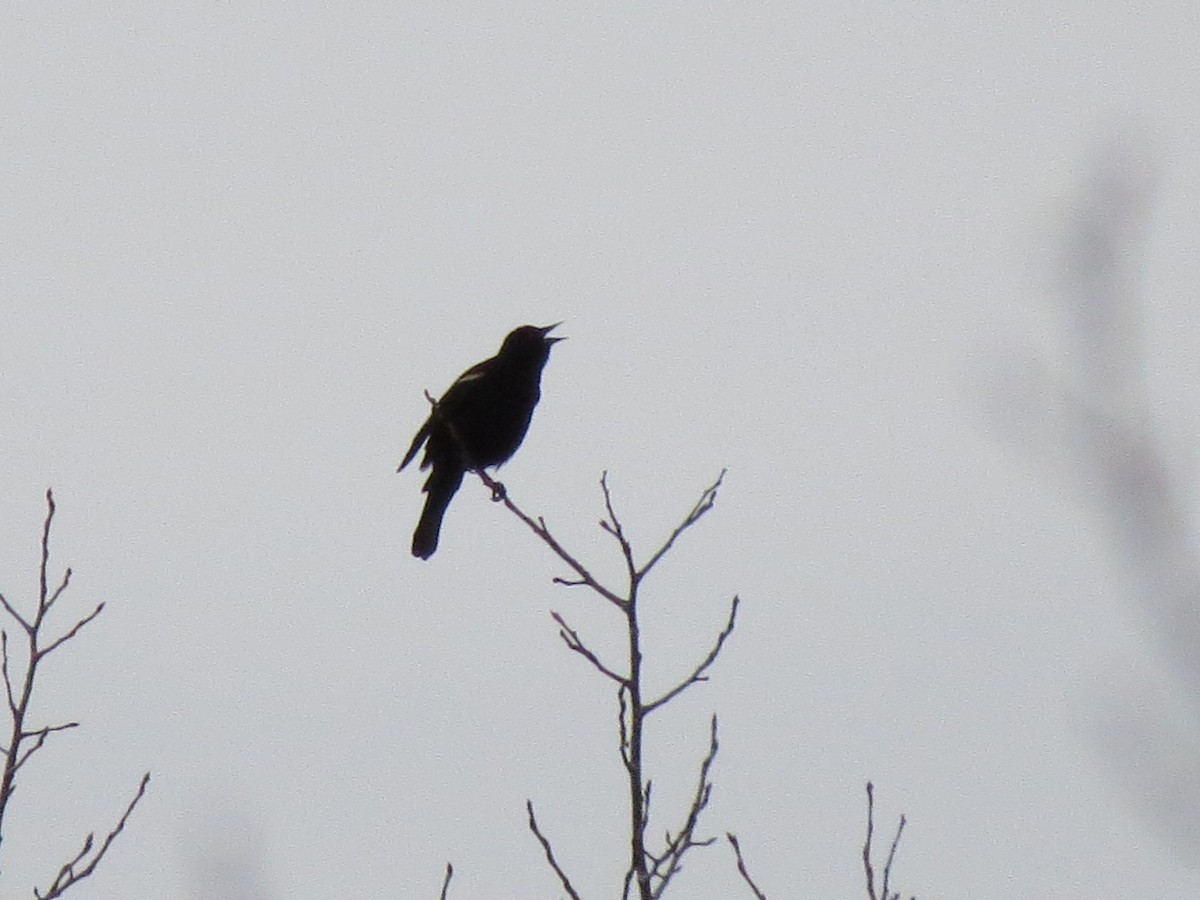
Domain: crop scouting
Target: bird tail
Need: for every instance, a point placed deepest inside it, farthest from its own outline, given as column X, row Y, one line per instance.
column 440, row 487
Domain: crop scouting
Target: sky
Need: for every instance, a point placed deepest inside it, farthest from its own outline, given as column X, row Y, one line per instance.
column 894, row 266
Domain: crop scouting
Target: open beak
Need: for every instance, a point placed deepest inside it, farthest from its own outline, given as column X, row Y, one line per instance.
column 547, row 329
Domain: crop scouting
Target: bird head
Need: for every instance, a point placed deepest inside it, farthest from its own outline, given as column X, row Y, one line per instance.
column 530, row 339
column 546, row 331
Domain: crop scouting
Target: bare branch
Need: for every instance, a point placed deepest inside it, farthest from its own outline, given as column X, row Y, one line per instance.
column 670, row 861
column 67, row 875
column 38, row 737
column 46, row 651
column 622, row 712
column 868, row 868
column 42, row 593
column 613, row 526
column 24, row 742
column 698, row 673
column 568, row 582
column 703, row 505
column 538, row 527
column 741, row 866
column 562, row 876
column 571, row 638
column 8, row 687
column 891, row 857
column 446, row 884
column 62, row 586
column 16, row 615
column 648, row 874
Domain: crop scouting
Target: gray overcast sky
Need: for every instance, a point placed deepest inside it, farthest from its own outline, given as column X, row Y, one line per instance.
column 238, row 239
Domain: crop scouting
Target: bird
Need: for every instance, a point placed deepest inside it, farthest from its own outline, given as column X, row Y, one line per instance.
column 478, row 423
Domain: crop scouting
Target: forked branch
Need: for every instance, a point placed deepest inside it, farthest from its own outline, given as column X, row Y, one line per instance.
column 19, row 672
column 81, row 866
column 665, row 864
column 703, row 505
column 883, row 891
column 649, row 872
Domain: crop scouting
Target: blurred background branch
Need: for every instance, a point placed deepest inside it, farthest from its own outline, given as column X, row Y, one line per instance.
column 1092, row 399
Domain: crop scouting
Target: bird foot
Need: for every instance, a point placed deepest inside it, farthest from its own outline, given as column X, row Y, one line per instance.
column 499, row 492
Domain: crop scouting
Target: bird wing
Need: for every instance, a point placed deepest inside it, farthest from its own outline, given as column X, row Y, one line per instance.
column 474, row 373
column 416, row 444
column 450, row 400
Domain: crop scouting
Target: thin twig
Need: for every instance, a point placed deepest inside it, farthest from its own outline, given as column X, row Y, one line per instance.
column 62, row 586
column 46, row 651
column 446, row 884
column 46, row 553
column 891, row 857
column 670, row 861
column 12, row 612
column 571, row 638
column 8, row 687
column 697, row 674
column 703, row 505
column 613, row 526
column 67, row 875
column 868, row 868
column 538, row 527
column 885, row 892
column 622, row 712
column 741, row 866
column 562, row 876
column 38, row 737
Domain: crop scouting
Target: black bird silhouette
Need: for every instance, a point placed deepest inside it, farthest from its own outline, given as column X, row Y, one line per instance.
column 479, row 422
